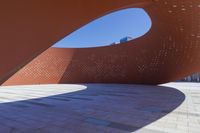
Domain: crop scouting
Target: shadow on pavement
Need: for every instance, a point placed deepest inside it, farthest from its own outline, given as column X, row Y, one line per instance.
column 99, row 108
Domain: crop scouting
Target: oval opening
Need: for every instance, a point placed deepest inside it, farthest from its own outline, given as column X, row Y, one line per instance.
column 114, row 28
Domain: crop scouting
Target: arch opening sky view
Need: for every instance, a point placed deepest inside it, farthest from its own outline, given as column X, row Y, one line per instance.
column 132, row 22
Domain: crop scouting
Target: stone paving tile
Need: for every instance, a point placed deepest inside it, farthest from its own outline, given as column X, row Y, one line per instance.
column 100, row 108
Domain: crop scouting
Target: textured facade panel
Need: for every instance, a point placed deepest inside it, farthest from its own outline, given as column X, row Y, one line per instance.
column 169, row 51
column 46, row 68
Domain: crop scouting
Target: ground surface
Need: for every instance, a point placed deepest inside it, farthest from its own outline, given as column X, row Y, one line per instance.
column 100, row 108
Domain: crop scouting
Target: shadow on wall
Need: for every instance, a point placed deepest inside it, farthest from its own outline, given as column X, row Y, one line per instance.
column 110, row 108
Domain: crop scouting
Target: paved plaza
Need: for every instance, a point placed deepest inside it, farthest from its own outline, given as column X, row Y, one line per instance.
column 100, row 108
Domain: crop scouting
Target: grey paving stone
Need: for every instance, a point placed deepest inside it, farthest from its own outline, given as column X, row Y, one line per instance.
column 100, row 108
column 97, row 121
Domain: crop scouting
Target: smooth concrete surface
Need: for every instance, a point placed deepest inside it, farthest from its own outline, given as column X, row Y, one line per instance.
column 100, row 108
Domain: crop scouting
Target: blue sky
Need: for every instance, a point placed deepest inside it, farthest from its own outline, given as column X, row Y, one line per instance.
column 133, row 22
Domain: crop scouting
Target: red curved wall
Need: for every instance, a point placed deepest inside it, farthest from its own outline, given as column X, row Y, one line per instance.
column 48, row 67
column 169, row 51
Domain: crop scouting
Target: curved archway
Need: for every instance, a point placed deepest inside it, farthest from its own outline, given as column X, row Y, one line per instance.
column 153, row 60
column 114, row 28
